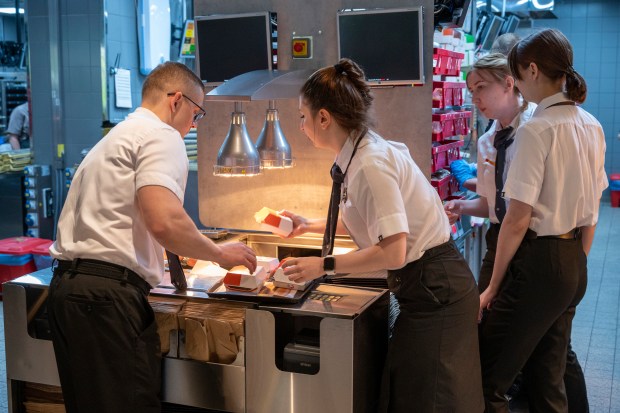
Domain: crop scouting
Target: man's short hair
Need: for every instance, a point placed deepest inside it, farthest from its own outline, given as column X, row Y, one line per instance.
column 170, row 77
column 504, row 43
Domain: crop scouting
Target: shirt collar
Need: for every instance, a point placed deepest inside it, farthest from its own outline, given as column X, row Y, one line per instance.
column 550, row 100
column 342, row 159
column 144, row 113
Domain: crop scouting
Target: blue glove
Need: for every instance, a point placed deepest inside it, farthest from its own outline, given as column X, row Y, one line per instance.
column 462, row 171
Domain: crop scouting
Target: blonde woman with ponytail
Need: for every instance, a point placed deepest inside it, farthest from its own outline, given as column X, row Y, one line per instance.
column 493, row 91
column 554, row 185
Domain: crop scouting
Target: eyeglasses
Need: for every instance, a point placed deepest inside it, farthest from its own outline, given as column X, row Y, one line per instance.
column 198, row 115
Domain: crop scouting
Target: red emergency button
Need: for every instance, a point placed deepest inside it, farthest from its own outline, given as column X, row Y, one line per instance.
column 302, row 47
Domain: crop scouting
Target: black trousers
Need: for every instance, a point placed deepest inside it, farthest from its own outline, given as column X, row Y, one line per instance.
column 106, row 344
column 574, row 380
column 530, row 323
column 433, row 361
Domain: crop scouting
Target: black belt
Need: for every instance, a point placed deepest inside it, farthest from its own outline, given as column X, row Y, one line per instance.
column 574, row 233
column 106, row 270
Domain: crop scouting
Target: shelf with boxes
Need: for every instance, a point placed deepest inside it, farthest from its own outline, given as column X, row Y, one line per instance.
column 450, row 122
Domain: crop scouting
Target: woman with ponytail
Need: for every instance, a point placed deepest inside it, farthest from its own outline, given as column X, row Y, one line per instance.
column 554, row 184
column 396, row 218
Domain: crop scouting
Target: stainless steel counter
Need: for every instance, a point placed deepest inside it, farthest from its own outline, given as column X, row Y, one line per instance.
column 351, row 326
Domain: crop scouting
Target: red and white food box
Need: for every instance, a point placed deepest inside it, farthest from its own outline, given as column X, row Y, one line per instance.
column 281, row 280
column 270, row 220
column 239, row 278
column 270, row 263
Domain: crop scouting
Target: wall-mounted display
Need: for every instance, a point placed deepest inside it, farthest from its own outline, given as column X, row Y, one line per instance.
column 489, row 31
column 228, row 45
column 386, row 43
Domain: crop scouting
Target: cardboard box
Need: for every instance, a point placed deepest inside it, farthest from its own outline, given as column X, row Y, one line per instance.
column 238, row 279
column 281, row 280
column 270, row 220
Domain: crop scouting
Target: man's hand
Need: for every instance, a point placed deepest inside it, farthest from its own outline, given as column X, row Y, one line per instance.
column 237, row 253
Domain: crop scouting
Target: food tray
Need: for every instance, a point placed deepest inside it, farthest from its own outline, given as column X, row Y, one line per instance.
column 267, row 294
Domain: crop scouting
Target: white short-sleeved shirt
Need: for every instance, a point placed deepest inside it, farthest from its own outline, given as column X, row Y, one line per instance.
column 558, row 167
column 487, row 155
column 101, row 217
column 385, row 193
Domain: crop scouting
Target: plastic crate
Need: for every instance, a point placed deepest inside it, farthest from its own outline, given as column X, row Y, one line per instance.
column 449, row 124
column 20, row 245
column 445, row 186
column 447, row 94
column 447, row 62
column 41, row 255
column 444, row 153
column 13, row 266
column 16, row 257
column 614, row 186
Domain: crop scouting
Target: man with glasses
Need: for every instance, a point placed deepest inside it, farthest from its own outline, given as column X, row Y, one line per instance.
column 124, row 206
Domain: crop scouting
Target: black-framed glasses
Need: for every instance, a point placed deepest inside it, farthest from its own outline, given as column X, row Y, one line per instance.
column 198, row 115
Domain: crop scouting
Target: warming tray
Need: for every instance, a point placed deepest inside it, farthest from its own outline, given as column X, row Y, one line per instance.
column 268, row 294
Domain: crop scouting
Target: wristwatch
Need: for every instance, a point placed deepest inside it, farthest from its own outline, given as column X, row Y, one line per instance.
column 329, row 265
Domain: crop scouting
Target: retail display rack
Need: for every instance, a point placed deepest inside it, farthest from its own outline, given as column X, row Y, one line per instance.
column 450, row 121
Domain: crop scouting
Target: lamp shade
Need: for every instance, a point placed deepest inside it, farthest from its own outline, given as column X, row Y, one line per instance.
column 237, row 156
column 273, row 148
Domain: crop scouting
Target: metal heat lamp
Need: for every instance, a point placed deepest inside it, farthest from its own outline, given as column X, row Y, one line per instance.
column 273, row 148
column 237, row 156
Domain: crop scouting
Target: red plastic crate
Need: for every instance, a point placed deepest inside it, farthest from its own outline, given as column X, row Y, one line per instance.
column 20, row 245
column 447, row 62
column 446, row 94
column 10, row 272
column 41, row 255
column 444, row 185
column 18, row 250
column 444, row 153
column 446, row 125
column 43, row 248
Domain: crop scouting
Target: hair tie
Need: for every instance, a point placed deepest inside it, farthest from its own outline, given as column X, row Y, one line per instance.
column 340, row 70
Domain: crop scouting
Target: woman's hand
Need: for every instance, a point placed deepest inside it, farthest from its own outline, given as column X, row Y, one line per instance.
column 453, row 210
column 303, row 269
column 486, row 300
column 300, row 224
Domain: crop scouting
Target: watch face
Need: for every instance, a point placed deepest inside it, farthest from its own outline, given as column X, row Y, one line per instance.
column 329, row 263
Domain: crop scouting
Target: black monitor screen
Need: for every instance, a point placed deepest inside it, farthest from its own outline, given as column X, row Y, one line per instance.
column 230, row 45
column 510, row 25
column 387, row 44
column 491, row 32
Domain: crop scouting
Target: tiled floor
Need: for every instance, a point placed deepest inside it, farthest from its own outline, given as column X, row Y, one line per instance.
column 595, row 329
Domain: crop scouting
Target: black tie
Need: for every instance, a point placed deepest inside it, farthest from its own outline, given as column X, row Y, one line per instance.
column 503, row 139
column 177, row 275
column 332, row 213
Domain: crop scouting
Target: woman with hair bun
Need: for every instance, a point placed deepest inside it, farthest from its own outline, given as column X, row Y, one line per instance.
column 554, row 184
column 396, row 218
